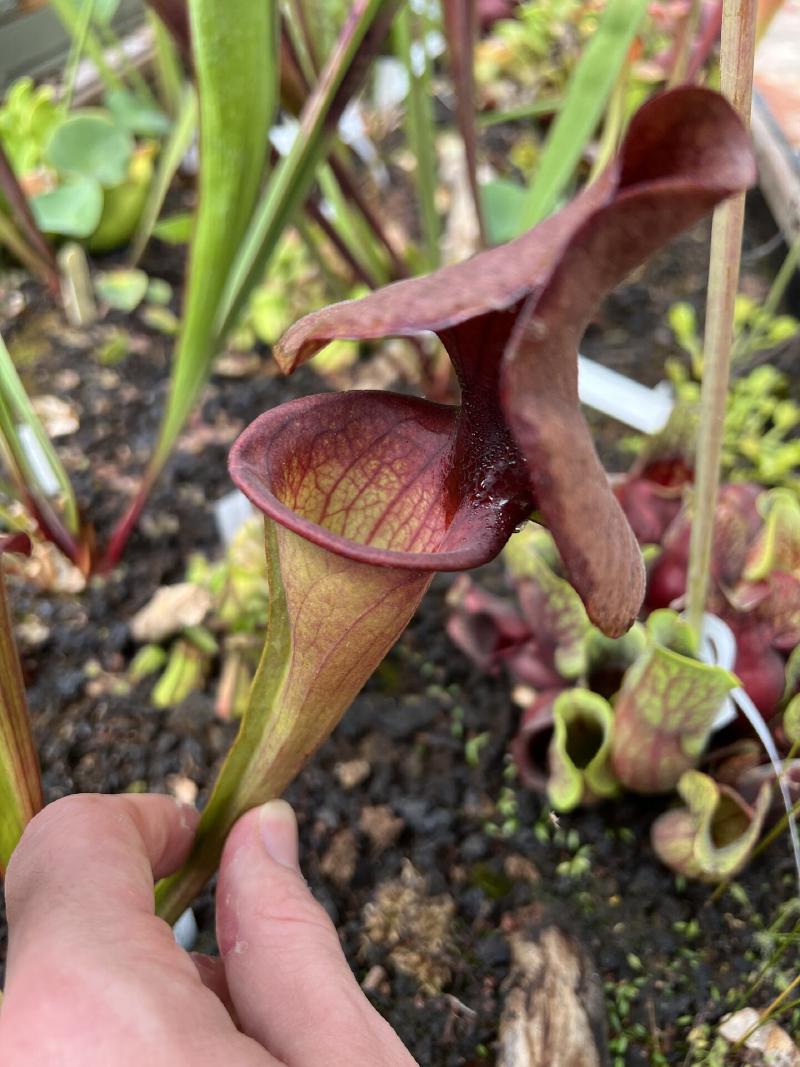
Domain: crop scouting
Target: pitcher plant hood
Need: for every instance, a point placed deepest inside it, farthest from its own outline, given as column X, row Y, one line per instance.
column 401, row 482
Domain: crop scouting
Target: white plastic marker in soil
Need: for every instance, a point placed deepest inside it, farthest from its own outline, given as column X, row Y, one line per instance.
column 623, row 399
column 185, row 930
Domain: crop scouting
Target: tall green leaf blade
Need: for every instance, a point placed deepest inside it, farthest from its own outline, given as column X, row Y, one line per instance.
column 20, row 781
column 292, row 179
column 234, row 45
column 169, row 160
column 16, row 411
column 411, row 35
column 589, row 88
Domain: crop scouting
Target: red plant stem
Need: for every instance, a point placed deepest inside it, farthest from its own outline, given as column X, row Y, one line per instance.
column 20, row 208
column 359, row 270
column 461, row 28
column 349, row 187
column 124, row 528
column 294, row 91
column 738, row 48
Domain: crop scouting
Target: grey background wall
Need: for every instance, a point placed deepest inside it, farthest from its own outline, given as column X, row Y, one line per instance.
column 34, row 43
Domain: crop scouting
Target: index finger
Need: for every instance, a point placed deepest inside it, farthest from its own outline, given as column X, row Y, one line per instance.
column 93, row 856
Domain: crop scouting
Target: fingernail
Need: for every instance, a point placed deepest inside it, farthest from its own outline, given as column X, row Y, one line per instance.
column 278, row 827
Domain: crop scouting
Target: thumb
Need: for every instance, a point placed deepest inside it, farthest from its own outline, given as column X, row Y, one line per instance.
column 287, row 975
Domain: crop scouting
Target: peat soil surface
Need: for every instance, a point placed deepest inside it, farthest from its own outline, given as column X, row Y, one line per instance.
column 398, row 785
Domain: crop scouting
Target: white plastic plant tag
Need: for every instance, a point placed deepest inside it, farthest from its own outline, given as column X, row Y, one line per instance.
column 389, row 84
column 621, row 398
column 231, row 512
column 185, row 930
column 718, row 647
column 37, row 458
column 283, row 136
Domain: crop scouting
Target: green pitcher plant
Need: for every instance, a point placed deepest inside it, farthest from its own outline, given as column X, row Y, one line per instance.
column 367, row 494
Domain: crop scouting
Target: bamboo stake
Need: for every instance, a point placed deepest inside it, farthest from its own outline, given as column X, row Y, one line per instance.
column 736, row 60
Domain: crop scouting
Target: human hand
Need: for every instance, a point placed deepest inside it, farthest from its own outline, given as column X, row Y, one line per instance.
column 94, row 979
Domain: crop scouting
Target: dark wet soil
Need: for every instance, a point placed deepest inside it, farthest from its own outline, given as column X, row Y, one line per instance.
column 670, row 960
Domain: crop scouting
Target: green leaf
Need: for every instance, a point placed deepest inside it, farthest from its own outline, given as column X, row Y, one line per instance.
column 103, row 11
column 503, row 204
column 175, row 229
column 791, row 721
column 72, row 210
column 16, row 411
column 20, row 782
column 412, row 34
column 137, row 116
column 121, row 289
column 89, row 144
column 169, row 160
column 293, row 177
column 588, row 91
column 235, row 60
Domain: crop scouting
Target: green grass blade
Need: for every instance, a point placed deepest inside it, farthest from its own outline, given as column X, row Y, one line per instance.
column 234, row 44
column 588, row 91
column 294, row 175
column 16, row 411
column 71, row 19
column 172, row 153
column 420, row 127
column 166, row 66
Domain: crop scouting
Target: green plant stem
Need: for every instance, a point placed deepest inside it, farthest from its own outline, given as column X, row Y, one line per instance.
column 782, row 279
column 166, row 66
column 746, row 344
column 613, row 125
column 352, row 229
column 130, row 72
column 736, row 59
column 76, row 51
column 293, row 177
column 769, row 1011
column 421, row 130
column 587, row 93
column 16, row 410
column 20, row 781
column 21, row 250
column 70, row 18
column 169, row 160
column 547, row 105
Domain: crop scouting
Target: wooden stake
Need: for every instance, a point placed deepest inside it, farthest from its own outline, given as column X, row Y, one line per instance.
column 736, row 59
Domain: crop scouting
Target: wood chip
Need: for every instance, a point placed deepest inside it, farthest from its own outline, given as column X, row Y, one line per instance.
column 339, row 862
column 351, row 773
column 173, row 608
column 771, row 1042
column 554, row 1013
column 380, row 824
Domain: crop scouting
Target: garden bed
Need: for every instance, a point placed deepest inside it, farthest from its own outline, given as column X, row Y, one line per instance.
column 398, row 783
